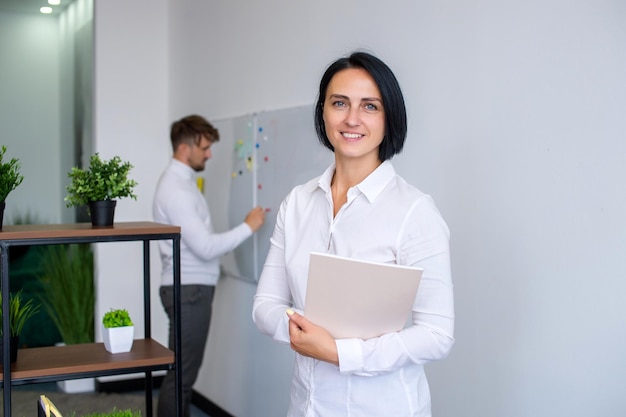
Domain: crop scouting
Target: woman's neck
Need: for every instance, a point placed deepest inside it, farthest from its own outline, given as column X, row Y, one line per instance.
column 346, row 176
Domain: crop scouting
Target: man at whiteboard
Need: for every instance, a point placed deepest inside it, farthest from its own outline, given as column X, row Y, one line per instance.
column 178, row 201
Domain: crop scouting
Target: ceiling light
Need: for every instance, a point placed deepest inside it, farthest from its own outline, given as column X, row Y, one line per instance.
column 54, row 2
column 46, row 10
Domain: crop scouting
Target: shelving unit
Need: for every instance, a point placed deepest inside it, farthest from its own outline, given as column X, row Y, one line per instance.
column 91, row 359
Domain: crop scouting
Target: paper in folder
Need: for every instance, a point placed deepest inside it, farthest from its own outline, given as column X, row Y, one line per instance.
column 359, row 299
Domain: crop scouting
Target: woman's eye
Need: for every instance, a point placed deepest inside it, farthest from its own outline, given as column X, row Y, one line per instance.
column 371, row 107
column 339, row 104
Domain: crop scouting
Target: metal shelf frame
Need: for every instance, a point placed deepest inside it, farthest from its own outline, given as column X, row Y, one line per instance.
column 28, row 235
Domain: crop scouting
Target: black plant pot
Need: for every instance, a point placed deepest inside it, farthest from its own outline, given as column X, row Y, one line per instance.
column 2, row 206
column 15, row 341
column 102, row 213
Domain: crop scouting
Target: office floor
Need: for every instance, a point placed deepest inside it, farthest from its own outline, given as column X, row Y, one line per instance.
column 24, row 398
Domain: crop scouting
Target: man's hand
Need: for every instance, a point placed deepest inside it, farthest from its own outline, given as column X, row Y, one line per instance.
column 311, row 340
column 255, row 218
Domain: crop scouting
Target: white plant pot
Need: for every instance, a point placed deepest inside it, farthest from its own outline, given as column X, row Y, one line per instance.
column 74, row 386
column 118, row 339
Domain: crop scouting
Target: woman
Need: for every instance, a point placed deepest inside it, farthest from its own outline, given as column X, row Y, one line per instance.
column 359, row 208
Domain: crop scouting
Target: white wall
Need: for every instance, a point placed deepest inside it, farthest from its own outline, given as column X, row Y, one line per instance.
column 132, row 121
column 516, row 129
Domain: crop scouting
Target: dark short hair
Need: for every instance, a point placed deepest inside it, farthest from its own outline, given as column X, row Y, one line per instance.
column 393, row 101
column 191, row 129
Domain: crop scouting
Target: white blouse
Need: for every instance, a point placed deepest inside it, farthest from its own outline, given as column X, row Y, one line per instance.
column 384, row 220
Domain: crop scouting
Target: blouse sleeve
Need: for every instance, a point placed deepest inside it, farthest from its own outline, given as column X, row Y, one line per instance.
column 273, row 295
column 424, row 243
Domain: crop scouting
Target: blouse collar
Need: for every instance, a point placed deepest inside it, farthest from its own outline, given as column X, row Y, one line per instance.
column 371, row 186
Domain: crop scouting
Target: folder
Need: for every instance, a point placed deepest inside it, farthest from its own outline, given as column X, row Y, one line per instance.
column 359, row 299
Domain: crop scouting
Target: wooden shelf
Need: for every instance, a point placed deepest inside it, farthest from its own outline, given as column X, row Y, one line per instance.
column 62, row 361
column 83, row 230
column 55, row 363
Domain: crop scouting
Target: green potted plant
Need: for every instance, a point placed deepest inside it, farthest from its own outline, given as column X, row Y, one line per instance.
column 19, row 313
column 68, row 296
column 68, row 287
column 10, row 178
column 98, row 186
column 117, row 331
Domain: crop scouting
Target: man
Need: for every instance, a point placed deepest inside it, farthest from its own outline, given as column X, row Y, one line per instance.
column 178, row 201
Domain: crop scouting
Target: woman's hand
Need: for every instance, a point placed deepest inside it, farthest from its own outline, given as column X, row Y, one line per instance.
column 310, row 340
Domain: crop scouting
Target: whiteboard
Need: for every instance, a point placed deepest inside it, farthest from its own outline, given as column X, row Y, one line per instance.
column 272, row 151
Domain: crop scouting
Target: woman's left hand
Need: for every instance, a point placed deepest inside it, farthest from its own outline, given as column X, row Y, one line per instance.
column 311, row 340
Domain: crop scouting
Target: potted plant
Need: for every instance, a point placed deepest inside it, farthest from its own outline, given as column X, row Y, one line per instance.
column 68, row 287
column 68, row 296
column 10, row 178
column 117, row 331
column 99, row 186
column 19, row 313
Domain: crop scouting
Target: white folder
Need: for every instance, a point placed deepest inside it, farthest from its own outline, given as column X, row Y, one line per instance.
column 359, row 299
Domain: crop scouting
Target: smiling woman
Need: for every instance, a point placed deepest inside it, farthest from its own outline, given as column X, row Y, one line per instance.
column 382, row 95
column 354, row 119
column 375, row 216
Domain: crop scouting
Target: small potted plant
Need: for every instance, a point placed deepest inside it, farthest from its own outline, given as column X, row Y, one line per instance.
column 19, row 313
column 117, row 331
column 98, row 186
column 10, row 178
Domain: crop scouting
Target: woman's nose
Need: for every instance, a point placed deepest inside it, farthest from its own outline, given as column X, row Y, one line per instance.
column 353, row 117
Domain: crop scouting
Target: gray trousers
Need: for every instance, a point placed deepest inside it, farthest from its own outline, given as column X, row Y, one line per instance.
column 195, row 306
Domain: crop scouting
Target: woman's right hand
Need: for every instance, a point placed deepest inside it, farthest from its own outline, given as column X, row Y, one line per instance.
column 311, row 340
